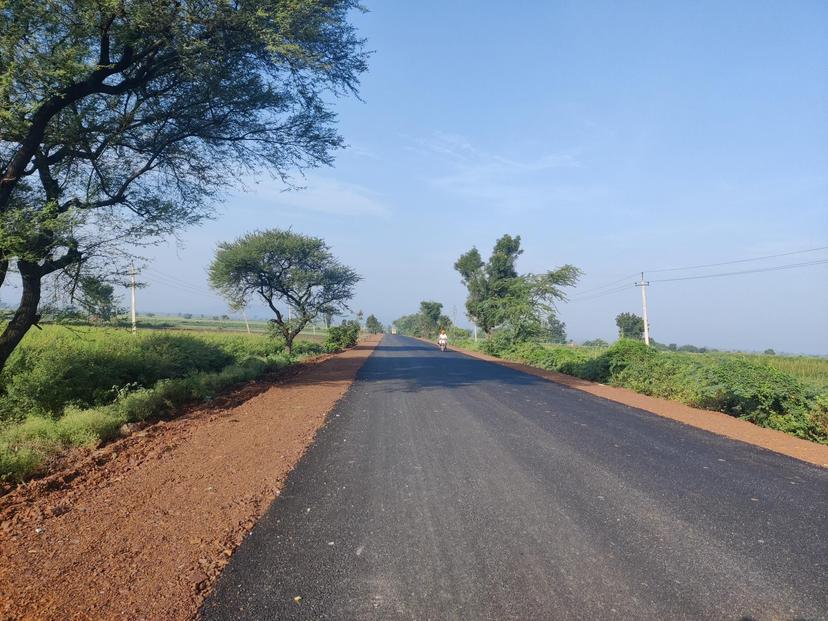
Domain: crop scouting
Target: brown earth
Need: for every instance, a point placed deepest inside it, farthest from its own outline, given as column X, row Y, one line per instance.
column 141, row 528
column 715, row 422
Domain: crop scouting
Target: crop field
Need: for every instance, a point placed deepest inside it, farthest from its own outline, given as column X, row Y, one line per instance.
column 77, row 385
column 213, row 323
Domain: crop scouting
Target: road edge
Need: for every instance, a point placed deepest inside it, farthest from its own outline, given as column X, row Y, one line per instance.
column 708, row 420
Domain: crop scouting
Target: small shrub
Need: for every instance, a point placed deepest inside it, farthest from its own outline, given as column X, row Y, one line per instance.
column 342, row 337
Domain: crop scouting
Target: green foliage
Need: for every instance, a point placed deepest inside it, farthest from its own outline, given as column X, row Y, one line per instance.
column 555, row 329
column 373, row 325
column 501, row 299
column 737, row 385
column 281, row 266
column 67, row 388
column 87, row 367
column 426, row 323
column 630, row 326
column 342, row 337
column 596, row 343
column 121, row 122
column 97, row 298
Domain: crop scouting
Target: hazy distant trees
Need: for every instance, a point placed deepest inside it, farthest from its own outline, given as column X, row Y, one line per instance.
column 555, row 329
column 630, row 326
column 97, row 298
column 425, row 323
column 373, row 325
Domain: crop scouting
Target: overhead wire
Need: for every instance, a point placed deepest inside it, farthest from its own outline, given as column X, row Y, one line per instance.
column 753, row 271
column 769, row 256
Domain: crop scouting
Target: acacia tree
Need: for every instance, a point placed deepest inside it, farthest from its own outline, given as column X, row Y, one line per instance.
column 499, row 297
column 121, row 121
column 283, row 267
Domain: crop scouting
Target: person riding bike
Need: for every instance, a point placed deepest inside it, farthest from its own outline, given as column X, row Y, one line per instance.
column 442, row 340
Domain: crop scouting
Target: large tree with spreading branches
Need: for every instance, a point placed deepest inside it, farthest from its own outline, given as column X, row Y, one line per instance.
column 120, row 122
column 283, row 268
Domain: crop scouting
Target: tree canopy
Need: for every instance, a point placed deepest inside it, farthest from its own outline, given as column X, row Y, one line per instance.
column 499, row 297
column 122, row 121
column 630, row 326
column 279, row 266
column 373, row 325
column 426, row 323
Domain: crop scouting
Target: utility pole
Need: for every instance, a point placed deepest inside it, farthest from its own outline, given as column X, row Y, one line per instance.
column 475, row 332
column 643, row 284
column 244, row 314
column 132, row 314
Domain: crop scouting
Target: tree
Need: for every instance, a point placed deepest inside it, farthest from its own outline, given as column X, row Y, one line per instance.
column 327, row 316
column 630, row 326
column 373, row 325
column 359, row 317
column 425, row 323
column 120, row 122
column 555, row 329
column 97, row 298
column 499, row 297
column 596, row 343
column 287, row 267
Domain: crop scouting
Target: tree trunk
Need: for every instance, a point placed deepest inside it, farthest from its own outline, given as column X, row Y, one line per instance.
column 4, row 269
column 26, row 315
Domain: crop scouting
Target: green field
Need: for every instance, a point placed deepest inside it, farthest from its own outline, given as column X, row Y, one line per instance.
column 178, row 322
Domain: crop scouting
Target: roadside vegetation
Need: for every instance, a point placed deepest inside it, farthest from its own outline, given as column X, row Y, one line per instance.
column 517, row 317
column 749, row 387
column 77, row 386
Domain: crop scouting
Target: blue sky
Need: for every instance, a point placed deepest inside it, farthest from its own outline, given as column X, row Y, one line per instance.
column 619, row 137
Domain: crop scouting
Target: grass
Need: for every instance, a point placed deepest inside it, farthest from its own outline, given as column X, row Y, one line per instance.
column 76, row 386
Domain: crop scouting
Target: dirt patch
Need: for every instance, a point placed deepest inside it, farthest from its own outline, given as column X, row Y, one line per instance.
column 142, row 528
column 715, row 422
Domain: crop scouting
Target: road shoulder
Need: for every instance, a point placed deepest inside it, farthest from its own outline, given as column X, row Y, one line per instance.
column 146, row 526
column 714, row 422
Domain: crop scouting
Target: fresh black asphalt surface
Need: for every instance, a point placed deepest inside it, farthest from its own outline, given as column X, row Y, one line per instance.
column 446, row 487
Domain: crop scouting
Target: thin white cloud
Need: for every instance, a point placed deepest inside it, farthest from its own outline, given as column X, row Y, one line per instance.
column 323, row 195
column 502, row 182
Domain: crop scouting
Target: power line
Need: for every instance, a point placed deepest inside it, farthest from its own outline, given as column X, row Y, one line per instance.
column 754, row 271
column 769, row 256
column 609, row 284
column 171, row 281
column 602, row 294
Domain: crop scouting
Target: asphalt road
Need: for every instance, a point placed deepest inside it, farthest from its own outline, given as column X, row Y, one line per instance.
column 445, row 487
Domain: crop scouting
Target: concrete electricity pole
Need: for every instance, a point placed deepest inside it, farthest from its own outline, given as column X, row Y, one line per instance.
column 246, row 323
column 643, row 284
column 132, row 314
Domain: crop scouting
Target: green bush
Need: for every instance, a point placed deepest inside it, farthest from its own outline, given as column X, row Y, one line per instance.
column 87, row 368
column 27, row 445
column 342, row 337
